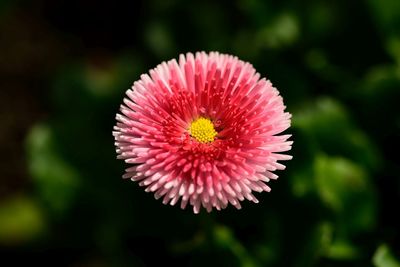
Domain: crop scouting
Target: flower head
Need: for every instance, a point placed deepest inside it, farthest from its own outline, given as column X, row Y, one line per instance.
column 203, row 130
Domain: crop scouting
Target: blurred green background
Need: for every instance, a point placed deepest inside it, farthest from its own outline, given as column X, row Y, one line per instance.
column 64, row 68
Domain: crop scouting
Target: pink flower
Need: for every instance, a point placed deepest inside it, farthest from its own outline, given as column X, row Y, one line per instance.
column 203, row 131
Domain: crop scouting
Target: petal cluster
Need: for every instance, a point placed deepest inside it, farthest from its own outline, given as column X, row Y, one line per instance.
column 153, row 134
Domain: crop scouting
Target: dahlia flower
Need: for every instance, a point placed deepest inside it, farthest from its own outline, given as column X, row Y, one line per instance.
column 203, row 130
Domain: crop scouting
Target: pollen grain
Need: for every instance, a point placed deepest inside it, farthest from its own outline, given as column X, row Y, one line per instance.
column 202, row 130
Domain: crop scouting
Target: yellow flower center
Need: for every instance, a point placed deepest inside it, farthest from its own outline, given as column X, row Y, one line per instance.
column 203, row 130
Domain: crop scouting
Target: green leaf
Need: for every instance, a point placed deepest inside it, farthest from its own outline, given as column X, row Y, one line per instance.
column 327, row 127
column 342, row 250
column 345, row 187
column 393, row 48
column 383, row 257
column 319, row 117
column 57, row 182
column 387, row 14
column 317, row 244
column 301, row 181
column 283, row 31
column 158, row 38
column 21, row 220
column 225, row 239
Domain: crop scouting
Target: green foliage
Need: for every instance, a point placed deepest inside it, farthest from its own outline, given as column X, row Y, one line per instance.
column 383, row 257
column 56, row 181
column 225, row 239
column 21, row 221
column 281, row 32
column 345, row 188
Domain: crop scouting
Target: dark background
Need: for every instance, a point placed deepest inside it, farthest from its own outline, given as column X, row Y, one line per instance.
column 64, row 68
